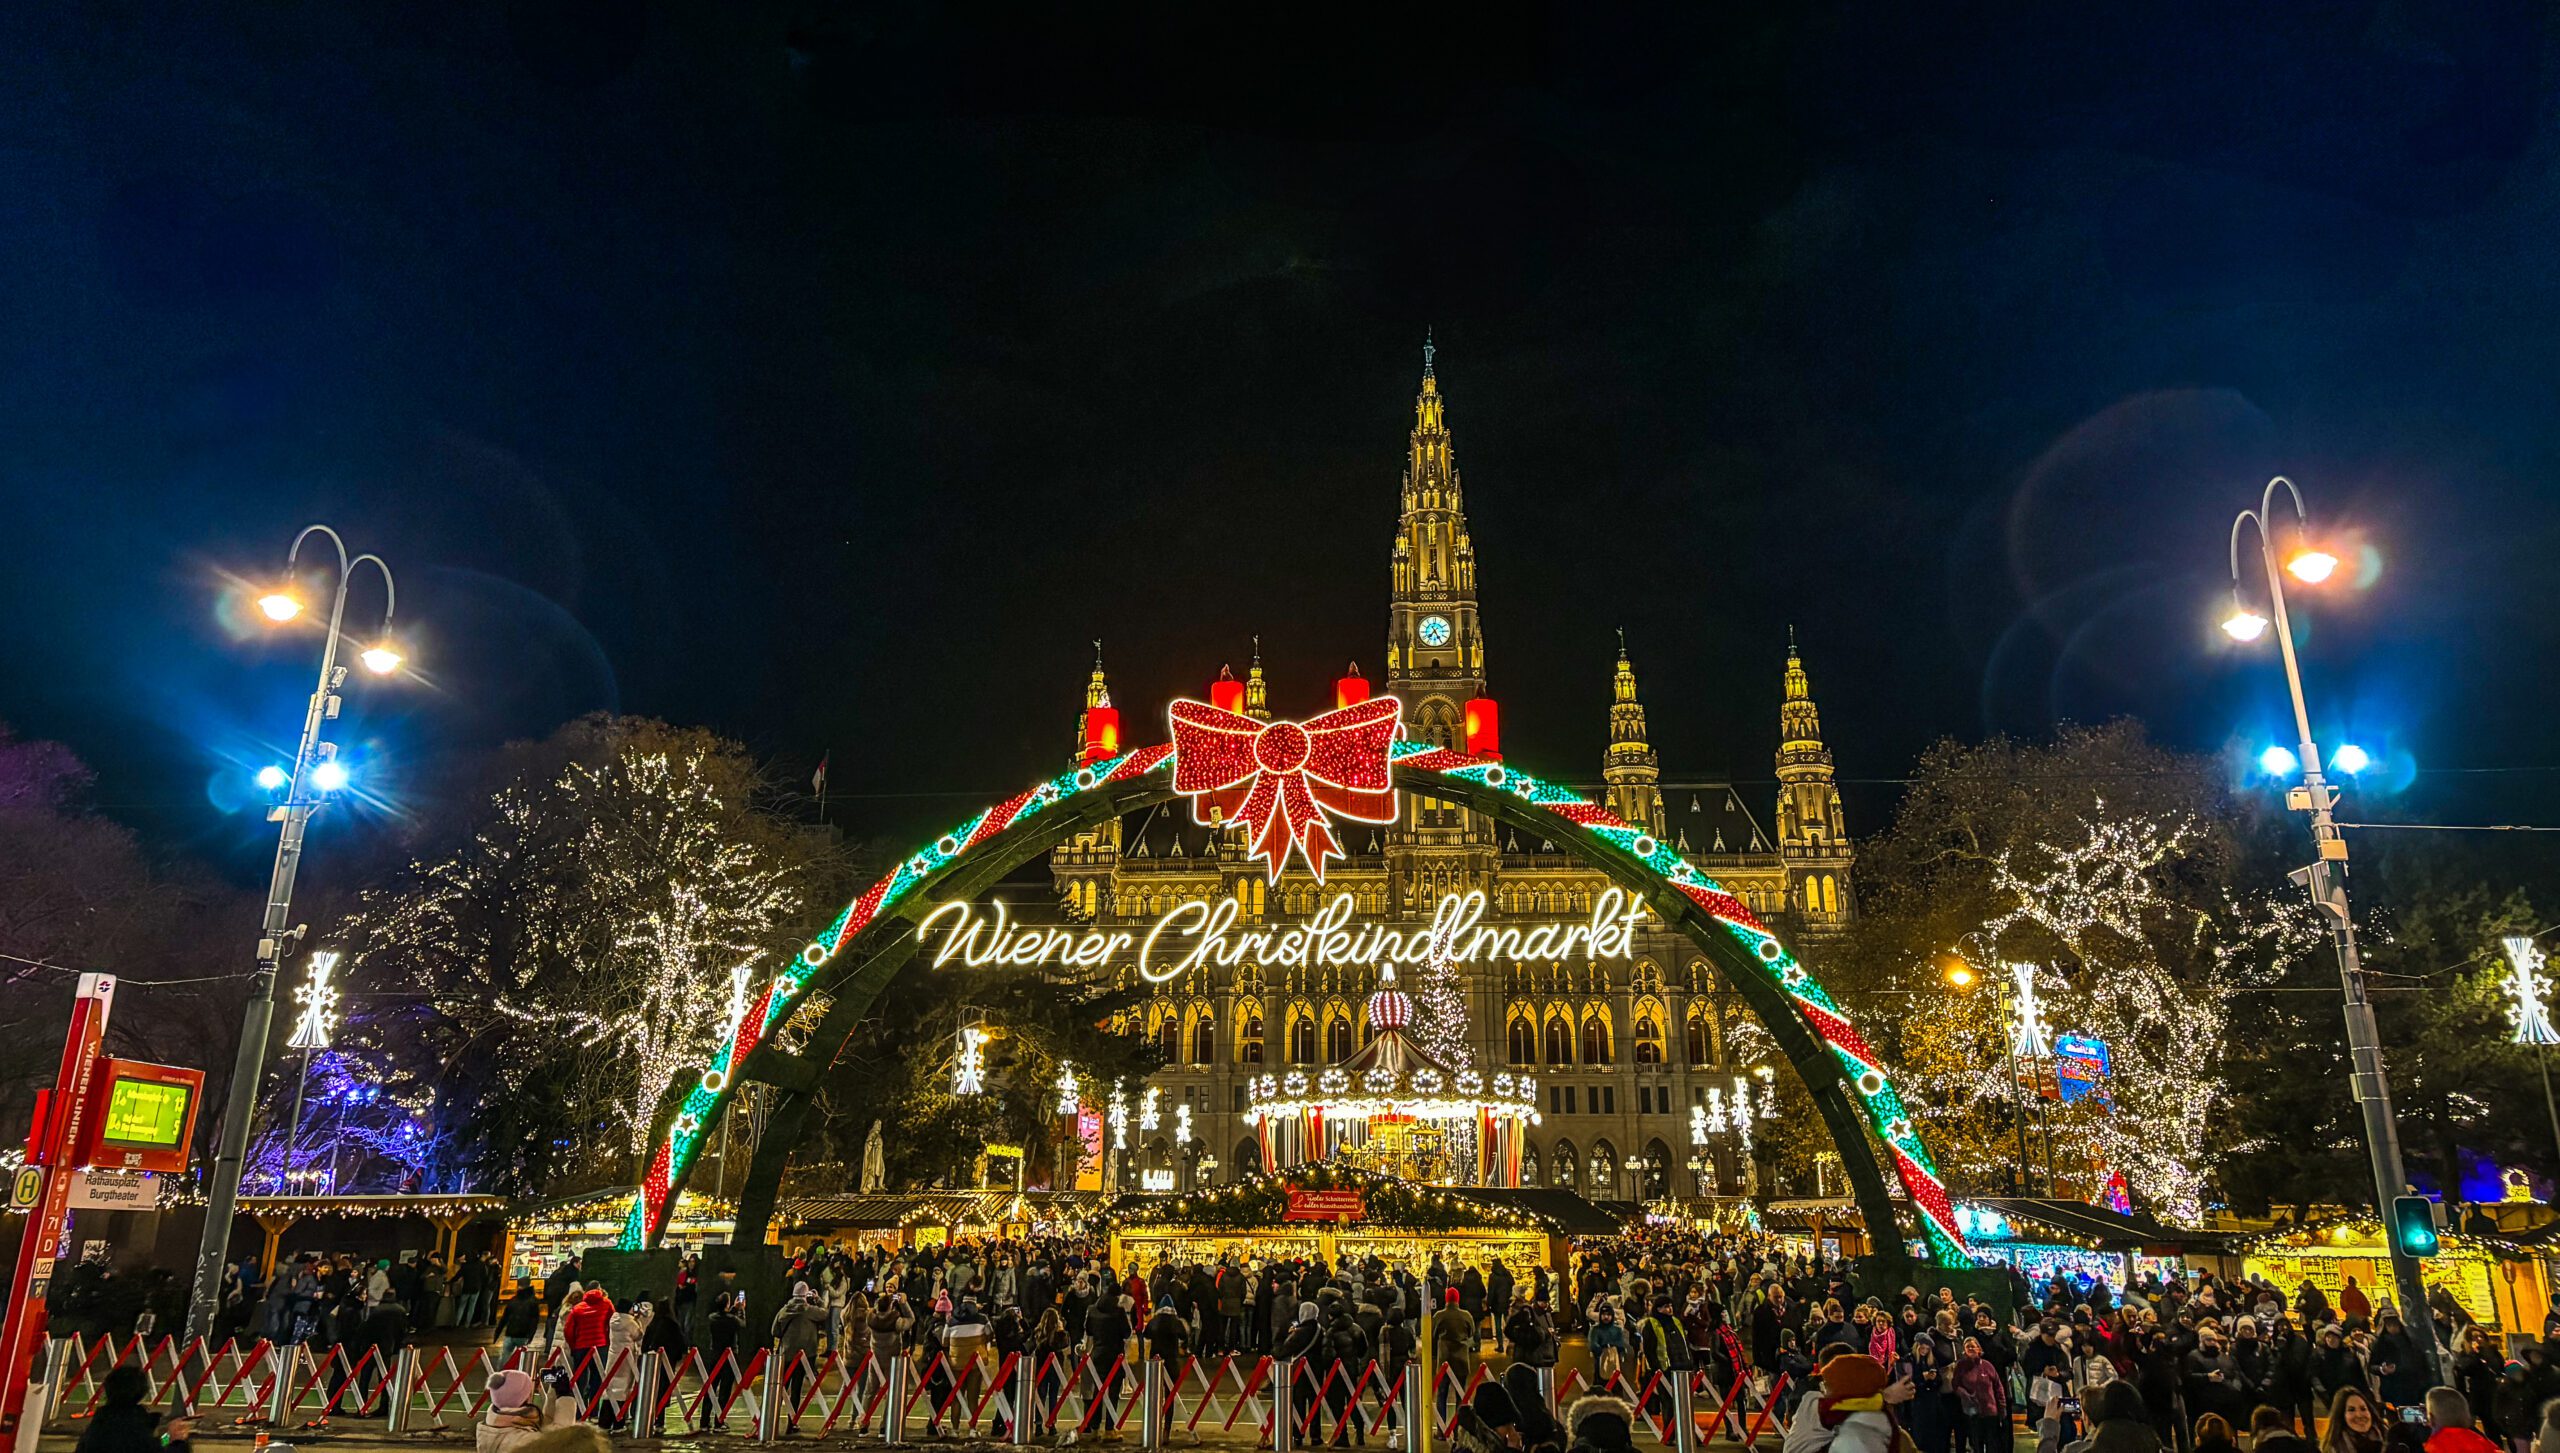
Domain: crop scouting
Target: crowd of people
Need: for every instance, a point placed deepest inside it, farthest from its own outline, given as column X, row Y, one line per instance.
column 2196, row 1365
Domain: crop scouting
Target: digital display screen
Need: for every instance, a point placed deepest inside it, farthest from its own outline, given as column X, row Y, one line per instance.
column 148, row 1114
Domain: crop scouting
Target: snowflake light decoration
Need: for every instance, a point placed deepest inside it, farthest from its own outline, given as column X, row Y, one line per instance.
column 1069, row 1096
column 1119, row 1117
column 1149, row 1117
column 1697, row 1125
column 969, row 1066
column 319, row 1001
column 2027, row 1037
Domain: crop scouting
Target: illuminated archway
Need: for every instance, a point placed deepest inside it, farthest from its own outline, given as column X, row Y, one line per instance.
column 850, row 963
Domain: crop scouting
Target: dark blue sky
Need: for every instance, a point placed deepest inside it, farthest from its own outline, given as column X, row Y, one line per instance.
column 829, row 374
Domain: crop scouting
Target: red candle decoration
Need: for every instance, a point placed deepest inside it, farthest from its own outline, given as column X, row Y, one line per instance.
column 1226, row 693
column 1484, row 728
column 1101, row 732
column 1350, row 687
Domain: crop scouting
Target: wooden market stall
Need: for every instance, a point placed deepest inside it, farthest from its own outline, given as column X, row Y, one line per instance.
column 1337, row 1214
column 447, row 1215
column 931, row 1218
column 2044, row 1237
column 541, row 1234
column 2504, row 1284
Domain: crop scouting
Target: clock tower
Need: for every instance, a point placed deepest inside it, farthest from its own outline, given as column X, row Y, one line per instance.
column 1435, row 655
column 1435, row 646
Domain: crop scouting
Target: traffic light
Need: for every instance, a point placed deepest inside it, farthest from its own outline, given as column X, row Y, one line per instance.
column 2413, row 1225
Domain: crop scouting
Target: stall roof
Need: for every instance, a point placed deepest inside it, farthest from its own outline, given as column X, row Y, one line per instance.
column 1565, row 1210
column 882, row 1211
column 427, row 1206
column 2109, row 1230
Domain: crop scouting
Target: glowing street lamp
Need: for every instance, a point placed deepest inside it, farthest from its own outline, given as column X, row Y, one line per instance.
column 2325, row 878
column 2279, row 762
column 2244, row 624
column 2350, row 759
column 271, row 777
column 315, row 772
column 381, row 659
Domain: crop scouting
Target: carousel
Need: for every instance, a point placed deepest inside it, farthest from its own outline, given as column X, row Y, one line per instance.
column 1394, row 1110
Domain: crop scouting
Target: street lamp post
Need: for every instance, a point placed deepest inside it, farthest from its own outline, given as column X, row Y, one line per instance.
column 316, row 774
column 1961, row 975
column 2325, row 880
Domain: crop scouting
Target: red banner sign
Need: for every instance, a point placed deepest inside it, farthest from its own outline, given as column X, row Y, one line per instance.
column 1307, row 1205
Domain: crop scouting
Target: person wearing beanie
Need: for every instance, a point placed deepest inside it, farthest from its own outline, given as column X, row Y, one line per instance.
column 520, row 1420
column 1454, row 1346
column 1848, row 1413
column 123, row 1425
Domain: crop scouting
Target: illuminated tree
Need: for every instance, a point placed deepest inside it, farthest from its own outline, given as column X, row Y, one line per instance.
column 2131, row 881
column 561, row 961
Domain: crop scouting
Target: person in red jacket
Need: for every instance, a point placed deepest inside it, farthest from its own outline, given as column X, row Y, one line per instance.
column 585, row 1330
column 2449, row 1422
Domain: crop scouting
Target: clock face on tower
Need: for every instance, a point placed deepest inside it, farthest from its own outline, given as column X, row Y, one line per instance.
column 1435, row 630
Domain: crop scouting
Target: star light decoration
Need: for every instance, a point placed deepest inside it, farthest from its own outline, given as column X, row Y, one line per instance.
column 2526, row 981
column 969, row 1066
column 319, row 1001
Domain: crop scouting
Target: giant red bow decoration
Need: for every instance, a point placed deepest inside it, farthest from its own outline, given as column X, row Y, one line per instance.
column 1281, row 778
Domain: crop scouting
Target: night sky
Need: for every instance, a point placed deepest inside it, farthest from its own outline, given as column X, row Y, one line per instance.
column 829, row 375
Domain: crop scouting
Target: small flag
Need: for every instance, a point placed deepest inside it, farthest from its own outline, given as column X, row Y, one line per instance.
column 818, row 779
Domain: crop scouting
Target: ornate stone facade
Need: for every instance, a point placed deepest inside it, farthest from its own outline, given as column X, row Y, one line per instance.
column 1622, row 1050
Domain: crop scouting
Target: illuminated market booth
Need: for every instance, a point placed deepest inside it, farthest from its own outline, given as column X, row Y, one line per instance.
column 542, row 1233
column 881, row 1221
column 2502, row 1283
column 2044, row 1237
column 1342, row 1213
column 1394, row 1109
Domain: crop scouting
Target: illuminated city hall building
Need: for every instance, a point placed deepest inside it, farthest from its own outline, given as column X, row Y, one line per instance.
column 1627, row 1054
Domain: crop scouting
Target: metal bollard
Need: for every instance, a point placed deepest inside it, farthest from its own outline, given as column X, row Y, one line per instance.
column 893, row 1402
column 1151, row 1412
column 644, row 1397
column 1026, row 1398
column 396, row 1390
column 1415, row 1415
column 288, row 1360
column 1684, row 1414
column 1547, row 1392
column 769, row 1399
column 57, row 1373
column 1284, row 1428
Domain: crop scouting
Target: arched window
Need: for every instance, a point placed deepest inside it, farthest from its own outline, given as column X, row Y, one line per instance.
column 1648, row 1041
column 1694, row 1038
column 1559, row 1040
column 1204, row 1041
column 1528, row 1165
column 1567, row 1171
column 1524, row 1043
column 1338, row 1040
column 1595, row 1039
column 1248, row 1159
column 1302, row 1040
column 1169, row 1039
column 1249, row 1047
column 1657, row 1169
column 1604, row 1171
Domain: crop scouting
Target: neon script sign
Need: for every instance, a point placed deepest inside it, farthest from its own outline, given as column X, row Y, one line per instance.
column 1192, row 934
